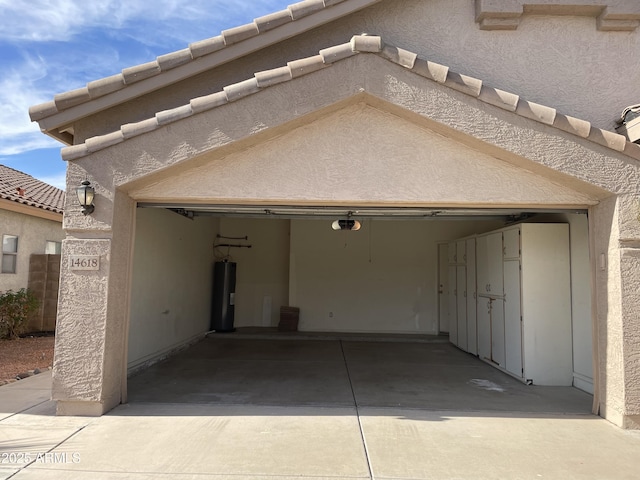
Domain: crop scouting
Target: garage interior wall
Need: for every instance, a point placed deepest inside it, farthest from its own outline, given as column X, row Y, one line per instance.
column 382, row 278
column 262, row 276
column 172, row 282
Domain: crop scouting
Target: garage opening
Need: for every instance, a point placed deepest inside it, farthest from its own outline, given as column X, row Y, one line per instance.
column 396, row 282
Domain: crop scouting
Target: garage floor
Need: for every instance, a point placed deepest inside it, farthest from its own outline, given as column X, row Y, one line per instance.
column 339, row 372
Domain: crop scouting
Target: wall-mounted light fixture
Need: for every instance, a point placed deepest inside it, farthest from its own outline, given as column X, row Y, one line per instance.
column 348, row 224
column 85, row 194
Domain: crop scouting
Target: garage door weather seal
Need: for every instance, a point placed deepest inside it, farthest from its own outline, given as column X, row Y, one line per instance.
column 355, row 403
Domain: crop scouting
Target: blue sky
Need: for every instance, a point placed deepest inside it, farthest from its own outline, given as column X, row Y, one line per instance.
column 53, row 47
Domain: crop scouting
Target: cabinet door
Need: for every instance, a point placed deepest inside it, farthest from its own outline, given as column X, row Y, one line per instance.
column 443, row 288
column 497, row 332
column 453, row 253
column 453, row 310
column 482, row 265
column 461, row 252
column 494, row 263
column 484, row 327
column 512, row 243
column 461, row 306
column 512, row 316
column 472, row 328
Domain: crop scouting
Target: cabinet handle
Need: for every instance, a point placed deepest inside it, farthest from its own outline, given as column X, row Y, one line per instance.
column 464, row 294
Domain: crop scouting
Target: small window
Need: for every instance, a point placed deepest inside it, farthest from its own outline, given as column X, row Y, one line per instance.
column 9, row 253
column 53, row 248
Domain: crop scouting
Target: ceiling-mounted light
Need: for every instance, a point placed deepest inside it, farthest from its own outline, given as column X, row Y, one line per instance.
column 347, row 224
column 85, row 194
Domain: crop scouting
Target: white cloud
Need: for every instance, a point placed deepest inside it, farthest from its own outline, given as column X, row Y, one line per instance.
column 58, row 180
column 44, row 20
column 18, row 91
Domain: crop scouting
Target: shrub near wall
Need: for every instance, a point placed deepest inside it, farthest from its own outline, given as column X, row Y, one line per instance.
column 15, row 308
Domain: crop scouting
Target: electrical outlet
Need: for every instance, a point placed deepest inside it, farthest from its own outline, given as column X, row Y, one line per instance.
column 330, row 314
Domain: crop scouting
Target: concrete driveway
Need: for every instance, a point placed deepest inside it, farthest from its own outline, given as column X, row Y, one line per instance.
column 252, row 408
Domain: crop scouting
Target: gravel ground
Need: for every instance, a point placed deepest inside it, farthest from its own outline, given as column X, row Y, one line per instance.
column 24, row 354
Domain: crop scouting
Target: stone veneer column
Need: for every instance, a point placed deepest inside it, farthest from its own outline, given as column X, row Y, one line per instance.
column 617, row 252
column 89, row 369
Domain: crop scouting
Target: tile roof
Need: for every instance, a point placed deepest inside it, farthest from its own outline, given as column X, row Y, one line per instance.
column 22, row 188
column 198, row 57
column 362, row 44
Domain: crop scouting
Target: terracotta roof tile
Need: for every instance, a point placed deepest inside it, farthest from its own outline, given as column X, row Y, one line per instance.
column 170, row 61
column 369, row 45
column 107, row 85
column 273, row 20
column 238, row 34
column 241, row 89
column 206, row 46
column 140, row 72
column 22, row 188
column 72, row 98
column 174, row 59
column 208, row 102
column 302, row 9
column 427, row 69
column 366, row 43
column 537, row 112
column 572, row 125
column 499, row 98
column 338, row 52
column 463, row 83
column 632, row 150
column 400, row 56
column 306, row 65
column 271, row 77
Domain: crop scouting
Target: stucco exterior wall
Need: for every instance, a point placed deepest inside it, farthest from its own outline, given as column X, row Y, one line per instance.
column 33, row 233
column 171, row 284
column 360, row 154
column 560, row 61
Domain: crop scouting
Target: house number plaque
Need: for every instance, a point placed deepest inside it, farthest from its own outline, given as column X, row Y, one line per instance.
column 84, row 262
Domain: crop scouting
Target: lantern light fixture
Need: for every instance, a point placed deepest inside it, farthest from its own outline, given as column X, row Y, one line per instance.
column 86, row 193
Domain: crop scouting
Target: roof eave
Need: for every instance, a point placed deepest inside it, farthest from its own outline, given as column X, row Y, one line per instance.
column 50, row 125
column 13, row 206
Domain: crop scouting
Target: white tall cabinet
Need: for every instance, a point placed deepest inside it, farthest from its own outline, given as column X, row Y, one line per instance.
column 462, row 294
column 523, row 302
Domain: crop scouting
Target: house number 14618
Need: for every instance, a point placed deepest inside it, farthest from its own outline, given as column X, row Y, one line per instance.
column 84, row 262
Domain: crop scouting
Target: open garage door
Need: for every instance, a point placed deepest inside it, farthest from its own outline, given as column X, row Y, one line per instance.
column 381, row 279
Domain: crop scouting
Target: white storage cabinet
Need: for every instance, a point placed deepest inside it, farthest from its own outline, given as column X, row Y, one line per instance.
column 524, row 302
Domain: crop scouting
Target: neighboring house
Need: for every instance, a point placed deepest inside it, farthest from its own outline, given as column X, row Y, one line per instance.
column 31, row 230
column 448, row 119
column 30, row 223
